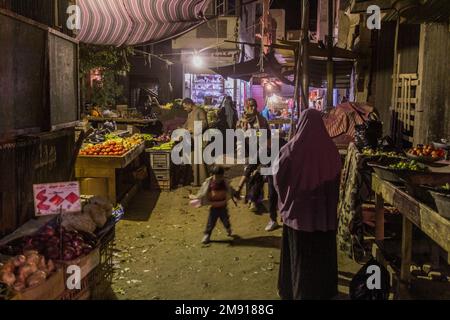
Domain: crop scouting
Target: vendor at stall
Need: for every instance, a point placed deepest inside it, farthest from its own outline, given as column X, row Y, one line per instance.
column 195, row 113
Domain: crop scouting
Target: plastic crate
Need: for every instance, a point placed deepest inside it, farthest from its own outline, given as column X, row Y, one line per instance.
column 159, row 160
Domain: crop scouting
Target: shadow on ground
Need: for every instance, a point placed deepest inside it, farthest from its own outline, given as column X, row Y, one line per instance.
column 142, row 206
column 260, row 242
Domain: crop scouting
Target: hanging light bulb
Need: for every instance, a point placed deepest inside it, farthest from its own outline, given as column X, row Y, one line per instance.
column 197, row 61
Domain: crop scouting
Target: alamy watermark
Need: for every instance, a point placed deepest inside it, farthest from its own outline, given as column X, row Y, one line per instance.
column 208, row 147
column 74, row 20
column 73, row 281
column 373, row 282
column 374, row 18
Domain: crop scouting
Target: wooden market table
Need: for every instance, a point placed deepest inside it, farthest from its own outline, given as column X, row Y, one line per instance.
column 414, row 213
column 105, row 167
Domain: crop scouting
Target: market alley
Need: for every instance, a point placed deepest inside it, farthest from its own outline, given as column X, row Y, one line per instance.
column 160, row 256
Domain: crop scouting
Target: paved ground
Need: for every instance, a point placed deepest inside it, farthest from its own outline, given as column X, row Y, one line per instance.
column 160, row 256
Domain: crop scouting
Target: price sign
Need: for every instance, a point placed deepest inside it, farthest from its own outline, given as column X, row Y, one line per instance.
column 56, row 198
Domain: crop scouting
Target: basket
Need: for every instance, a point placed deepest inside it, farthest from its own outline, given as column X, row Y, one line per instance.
column 442, row 203
column 423, row 159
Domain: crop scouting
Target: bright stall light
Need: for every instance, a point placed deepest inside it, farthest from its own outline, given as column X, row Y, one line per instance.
column 197, row 61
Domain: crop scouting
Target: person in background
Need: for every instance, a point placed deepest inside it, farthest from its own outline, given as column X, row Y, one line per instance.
column 318, row 105
column 227, row 115
column 199, row 171
column 252, row 178
column 251, row 119
column 215, row 192
column 307, row 183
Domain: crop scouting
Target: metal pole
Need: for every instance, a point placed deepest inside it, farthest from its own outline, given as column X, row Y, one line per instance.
column 330, row 67
column 305, row 54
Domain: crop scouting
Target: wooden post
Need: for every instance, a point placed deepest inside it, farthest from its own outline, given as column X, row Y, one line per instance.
column 379, row 217
column 330, row 67
column 406, row 250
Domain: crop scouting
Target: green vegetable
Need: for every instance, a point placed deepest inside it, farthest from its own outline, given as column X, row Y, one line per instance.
column 408, row 165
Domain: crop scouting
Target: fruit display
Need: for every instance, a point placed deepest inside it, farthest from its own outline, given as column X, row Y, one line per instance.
column 165, row 137
column 27, row 270
column 108, row 148
column 165, row 146
column 147, row 137
column 410, row 165
column 114, row 147
column 426, row 152
column 170, row 105
column 53, row 242
column 379, row 153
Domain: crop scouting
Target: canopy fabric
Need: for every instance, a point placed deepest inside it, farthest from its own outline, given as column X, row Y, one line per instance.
column 133, row 22
column 341, row 121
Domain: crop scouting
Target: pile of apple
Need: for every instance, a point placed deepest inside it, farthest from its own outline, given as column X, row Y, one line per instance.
column 427, row 151
column 110, row 148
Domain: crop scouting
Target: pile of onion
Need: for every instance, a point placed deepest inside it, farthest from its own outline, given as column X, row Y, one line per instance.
column 26, row 271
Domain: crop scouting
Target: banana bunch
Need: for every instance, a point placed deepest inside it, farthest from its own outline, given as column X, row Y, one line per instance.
column 165, row 146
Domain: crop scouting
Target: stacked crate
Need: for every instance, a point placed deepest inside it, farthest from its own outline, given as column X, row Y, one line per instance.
column 161, row 175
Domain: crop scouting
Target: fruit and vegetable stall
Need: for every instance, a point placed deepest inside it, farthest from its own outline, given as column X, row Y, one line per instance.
column 392, row 201
column 114, row 164
column 36, row 261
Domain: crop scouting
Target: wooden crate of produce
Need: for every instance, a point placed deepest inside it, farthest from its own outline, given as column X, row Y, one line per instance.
column 161, row 180
column 86, row 263
column 159, row 160
column 51, row 289
column 84, row 293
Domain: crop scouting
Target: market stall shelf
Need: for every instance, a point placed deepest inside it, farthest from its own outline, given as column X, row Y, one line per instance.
column 414, row 213
column 105, row 167
column 122, row 120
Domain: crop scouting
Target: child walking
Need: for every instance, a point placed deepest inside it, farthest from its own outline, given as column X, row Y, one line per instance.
column 215, row 192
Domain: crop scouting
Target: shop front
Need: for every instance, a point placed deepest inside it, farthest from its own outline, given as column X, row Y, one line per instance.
column 204, row 86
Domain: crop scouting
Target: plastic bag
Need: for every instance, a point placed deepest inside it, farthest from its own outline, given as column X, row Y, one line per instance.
column 367, row 134
column 78, row 221
column 372, row 282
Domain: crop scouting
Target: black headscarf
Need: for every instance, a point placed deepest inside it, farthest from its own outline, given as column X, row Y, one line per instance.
column 230, row 111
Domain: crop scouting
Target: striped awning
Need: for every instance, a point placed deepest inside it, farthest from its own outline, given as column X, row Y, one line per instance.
column 132, row 22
